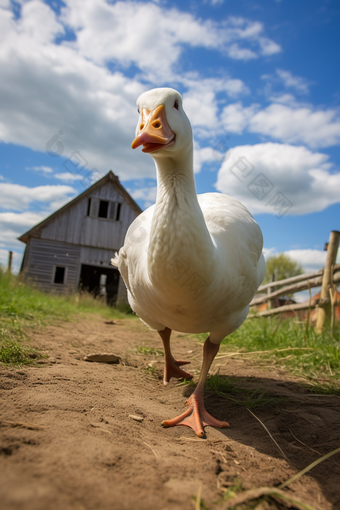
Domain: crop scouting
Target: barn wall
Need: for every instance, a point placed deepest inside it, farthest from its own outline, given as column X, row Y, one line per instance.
column 41, row 259
column 43, row 255
column 74, row 226
column 96, row 256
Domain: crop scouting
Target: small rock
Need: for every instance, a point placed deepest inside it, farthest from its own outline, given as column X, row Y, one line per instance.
column 103, row 358
column 136, row 417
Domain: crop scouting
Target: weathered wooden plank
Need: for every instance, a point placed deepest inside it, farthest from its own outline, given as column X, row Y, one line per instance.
column 296, row 306
column 282, row 309
column 290, row 289
column 44, row 256
column 96, row 256
column 74, row 226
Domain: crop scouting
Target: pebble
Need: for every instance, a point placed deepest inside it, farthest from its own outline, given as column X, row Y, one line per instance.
column 103, row 358
column 136, row 417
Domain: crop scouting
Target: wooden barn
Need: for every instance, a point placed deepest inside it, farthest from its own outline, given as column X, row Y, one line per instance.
column 72, row 248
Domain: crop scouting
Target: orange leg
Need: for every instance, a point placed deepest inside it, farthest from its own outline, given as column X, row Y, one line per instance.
column 196, row 416
column 171, row 368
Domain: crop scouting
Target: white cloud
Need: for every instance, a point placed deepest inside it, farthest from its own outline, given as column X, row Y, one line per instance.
column 267, row 252
column 147, row 195
column 235, row 88
column 42, row 169
column 38, row 22
column 53, row 87
column 68, row 177
column 13, row 225
column 201, row 156
column 298, row 125
column 5, row 4
column 305, row 178
column 201, row 104
column 201, row 107
column 18, row 198
column 152, row 37
column 284, row 99
column 296, row 82
column 290, row 124
column 47, row 87
column 268, row 46
column 235, row 118
column 237, row 53
column 288, row 80
column 310, row 260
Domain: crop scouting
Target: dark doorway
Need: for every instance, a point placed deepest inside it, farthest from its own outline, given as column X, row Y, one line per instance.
column 91, row 280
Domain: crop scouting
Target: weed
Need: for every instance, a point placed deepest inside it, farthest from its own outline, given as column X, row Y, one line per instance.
column 233, row 490
column 151, row 370
column 147, row 351
column 187, row 382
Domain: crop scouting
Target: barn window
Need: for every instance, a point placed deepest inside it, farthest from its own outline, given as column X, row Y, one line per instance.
column 59, row 275
column 103, row 209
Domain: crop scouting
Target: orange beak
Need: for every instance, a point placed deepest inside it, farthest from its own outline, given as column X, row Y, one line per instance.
column 154, row 131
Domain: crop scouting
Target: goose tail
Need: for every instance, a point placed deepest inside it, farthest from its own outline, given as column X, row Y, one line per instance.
column 115, row 260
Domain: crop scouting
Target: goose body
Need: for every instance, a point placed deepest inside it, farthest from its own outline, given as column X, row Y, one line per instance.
column 190, row 263
column 174, row 280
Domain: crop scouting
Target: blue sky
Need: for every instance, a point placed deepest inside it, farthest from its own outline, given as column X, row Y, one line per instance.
column 260, row 82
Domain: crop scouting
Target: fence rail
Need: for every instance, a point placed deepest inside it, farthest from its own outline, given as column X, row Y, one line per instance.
column 309, row 282
column 326, row 278
column 294, row 279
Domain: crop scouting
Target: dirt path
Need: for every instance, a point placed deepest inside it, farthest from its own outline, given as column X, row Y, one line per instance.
column 67, row 440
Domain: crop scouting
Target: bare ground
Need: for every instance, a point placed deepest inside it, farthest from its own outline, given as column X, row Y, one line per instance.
column 67, row 440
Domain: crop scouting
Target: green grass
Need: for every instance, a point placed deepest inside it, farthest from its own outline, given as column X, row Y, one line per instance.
column 14, row 347
column 23, row 307
column 291, row 345
column 223, row 387
column 25, row 302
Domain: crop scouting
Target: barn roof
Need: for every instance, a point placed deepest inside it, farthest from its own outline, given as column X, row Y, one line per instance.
column 109, row 177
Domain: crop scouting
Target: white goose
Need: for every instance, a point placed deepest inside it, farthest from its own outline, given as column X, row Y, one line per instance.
column 190, row 263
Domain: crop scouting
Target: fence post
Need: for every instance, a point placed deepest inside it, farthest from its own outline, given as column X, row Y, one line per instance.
column 10, row 258
column 324, row 311
column 271, row 302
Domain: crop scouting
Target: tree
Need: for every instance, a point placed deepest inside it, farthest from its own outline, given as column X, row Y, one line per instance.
column 281, row 266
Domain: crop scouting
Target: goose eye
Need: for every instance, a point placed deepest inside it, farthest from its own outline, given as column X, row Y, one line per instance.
column 176, row 105
column 138, row 110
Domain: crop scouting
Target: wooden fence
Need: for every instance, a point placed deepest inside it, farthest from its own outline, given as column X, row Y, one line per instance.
column 327, row 278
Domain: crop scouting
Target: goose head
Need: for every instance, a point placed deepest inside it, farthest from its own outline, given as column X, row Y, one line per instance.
column 163, row 129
